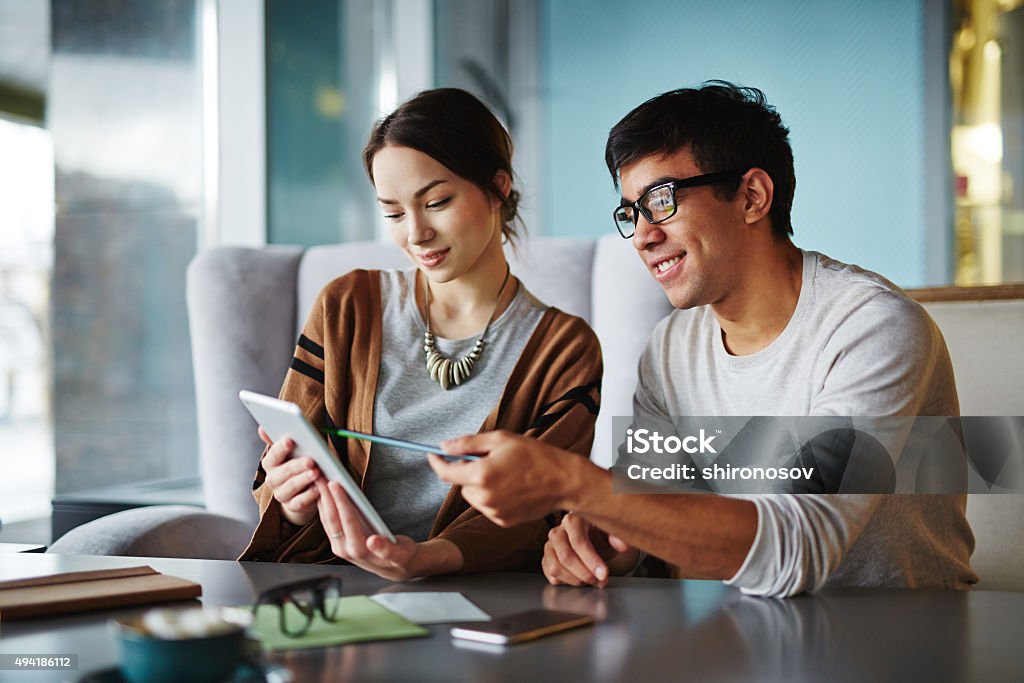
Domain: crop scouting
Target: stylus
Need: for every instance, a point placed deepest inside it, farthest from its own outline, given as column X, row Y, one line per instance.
column 398, row 443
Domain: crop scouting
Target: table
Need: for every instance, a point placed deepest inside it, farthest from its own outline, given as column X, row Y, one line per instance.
column 650, row 629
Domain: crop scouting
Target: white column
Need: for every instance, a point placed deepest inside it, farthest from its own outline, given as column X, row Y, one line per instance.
column 234, row 124
column 405, row 58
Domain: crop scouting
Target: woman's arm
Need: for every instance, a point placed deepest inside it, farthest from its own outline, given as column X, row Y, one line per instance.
column 553, row 398
column 278, row 538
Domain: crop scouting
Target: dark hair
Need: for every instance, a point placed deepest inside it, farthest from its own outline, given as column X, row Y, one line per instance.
column 724, row 126
column 459, row 131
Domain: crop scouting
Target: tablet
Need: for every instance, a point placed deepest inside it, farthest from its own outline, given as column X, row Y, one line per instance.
column 282, row 419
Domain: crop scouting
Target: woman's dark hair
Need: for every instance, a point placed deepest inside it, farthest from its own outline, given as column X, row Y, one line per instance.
column 459, row 131
column 725, row 126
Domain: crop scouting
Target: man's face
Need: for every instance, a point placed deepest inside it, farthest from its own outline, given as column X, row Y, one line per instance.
column 695, row 254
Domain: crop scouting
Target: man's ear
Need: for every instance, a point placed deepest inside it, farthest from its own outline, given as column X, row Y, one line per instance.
column 503, row 182
column 758, row 192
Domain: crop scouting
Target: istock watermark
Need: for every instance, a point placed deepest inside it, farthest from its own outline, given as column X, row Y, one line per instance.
column 646, row 441
column 832, row 454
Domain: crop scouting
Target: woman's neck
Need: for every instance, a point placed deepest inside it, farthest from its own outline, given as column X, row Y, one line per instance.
column 464, row 306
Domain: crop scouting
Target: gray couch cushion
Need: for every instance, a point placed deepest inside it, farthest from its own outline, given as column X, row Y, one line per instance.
column 627, row 304
column 558, row 271
column 984, row 339
column 322, row 264
column 159, row 531
column 241, row 309
column 998, row 524
column 984, row 342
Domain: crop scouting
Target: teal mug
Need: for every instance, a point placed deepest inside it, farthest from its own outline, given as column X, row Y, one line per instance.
column 154, row 658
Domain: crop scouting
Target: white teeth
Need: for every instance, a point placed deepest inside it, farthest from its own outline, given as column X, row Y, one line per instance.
column 665, row 265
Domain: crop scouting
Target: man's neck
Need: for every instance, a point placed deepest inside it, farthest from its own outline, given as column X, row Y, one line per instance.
column 754, row 314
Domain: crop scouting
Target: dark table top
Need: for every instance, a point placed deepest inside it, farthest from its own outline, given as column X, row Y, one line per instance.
column 649, row 629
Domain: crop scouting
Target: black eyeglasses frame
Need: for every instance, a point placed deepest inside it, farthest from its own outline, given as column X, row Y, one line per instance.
column 675, row 185
column 285, row 593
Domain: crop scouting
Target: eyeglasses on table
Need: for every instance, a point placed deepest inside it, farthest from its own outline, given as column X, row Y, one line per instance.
column 308, row 597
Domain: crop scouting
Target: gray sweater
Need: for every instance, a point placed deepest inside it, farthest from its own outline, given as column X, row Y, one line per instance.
column 856, row 345
column 411, row 406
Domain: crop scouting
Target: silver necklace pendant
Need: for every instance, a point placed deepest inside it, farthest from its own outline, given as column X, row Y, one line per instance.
column 444, row 371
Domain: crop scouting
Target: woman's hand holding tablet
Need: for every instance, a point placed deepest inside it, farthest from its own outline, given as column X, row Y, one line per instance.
column 282, row 419
column 345, row 513
column 291, row 480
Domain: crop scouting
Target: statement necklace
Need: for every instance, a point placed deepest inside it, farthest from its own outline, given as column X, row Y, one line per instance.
column 445, row 371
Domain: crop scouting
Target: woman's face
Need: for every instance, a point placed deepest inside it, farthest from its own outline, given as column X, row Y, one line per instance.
column 443, row 222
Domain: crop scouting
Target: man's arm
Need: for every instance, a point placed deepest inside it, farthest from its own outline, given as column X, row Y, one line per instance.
column 708, row 536
column 772, row 545
column 522, row 479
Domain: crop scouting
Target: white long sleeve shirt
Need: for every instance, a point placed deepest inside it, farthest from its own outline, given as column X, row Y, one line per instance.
column 856, row 345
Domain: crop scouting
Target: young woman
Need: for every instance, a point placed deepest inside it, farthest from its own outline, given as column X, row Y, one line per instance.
column 454, row 345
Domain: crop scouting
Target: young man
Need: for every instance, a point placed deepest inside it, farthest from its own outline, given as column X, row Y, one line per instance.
column 763, row 328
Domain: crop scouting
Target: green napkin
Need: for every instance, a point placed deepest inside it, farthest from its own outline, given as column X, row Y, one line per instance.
column 359, row 619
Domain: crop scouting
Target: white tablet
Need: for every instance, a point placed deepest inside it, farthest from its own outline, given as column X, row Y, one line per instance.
column 282, row 419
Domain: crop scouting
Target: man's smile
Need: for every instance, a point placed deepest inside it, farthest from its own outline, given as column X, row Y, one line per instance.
column 665, row 267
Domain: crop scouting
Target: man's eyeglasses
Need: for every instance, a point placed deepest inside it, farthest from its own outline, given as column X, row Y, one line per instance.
column 298, row 602
column 659, row 203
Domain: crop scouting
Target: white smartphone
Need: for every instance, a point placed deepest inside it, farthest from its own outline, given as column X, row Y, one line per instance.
column 516, row 628
column 282, row 419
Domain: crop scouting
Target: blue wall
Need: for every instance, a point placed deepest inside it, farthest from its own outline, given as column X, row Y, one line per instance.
column 848, row 79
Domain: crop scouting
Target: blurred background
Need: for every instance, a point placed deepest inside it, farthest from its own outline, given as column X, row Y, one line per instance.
column 135, row 133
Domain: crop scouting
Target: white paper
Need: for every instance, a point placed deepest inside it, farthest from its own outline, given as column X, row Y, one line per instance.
column 431, row 608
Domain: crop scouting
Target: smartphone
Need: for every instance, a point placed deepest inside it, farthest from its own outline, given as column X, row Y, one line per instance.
column 283, row 418
column 520, row 627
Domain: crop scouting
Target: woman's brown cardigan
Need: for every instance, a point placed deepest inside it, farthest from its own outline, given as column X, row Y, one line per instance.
column 553, row 394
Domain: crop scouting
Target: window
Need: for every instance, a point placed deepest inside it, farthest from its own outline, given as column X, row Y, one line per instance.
column 986, row 76
column 26, row 265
